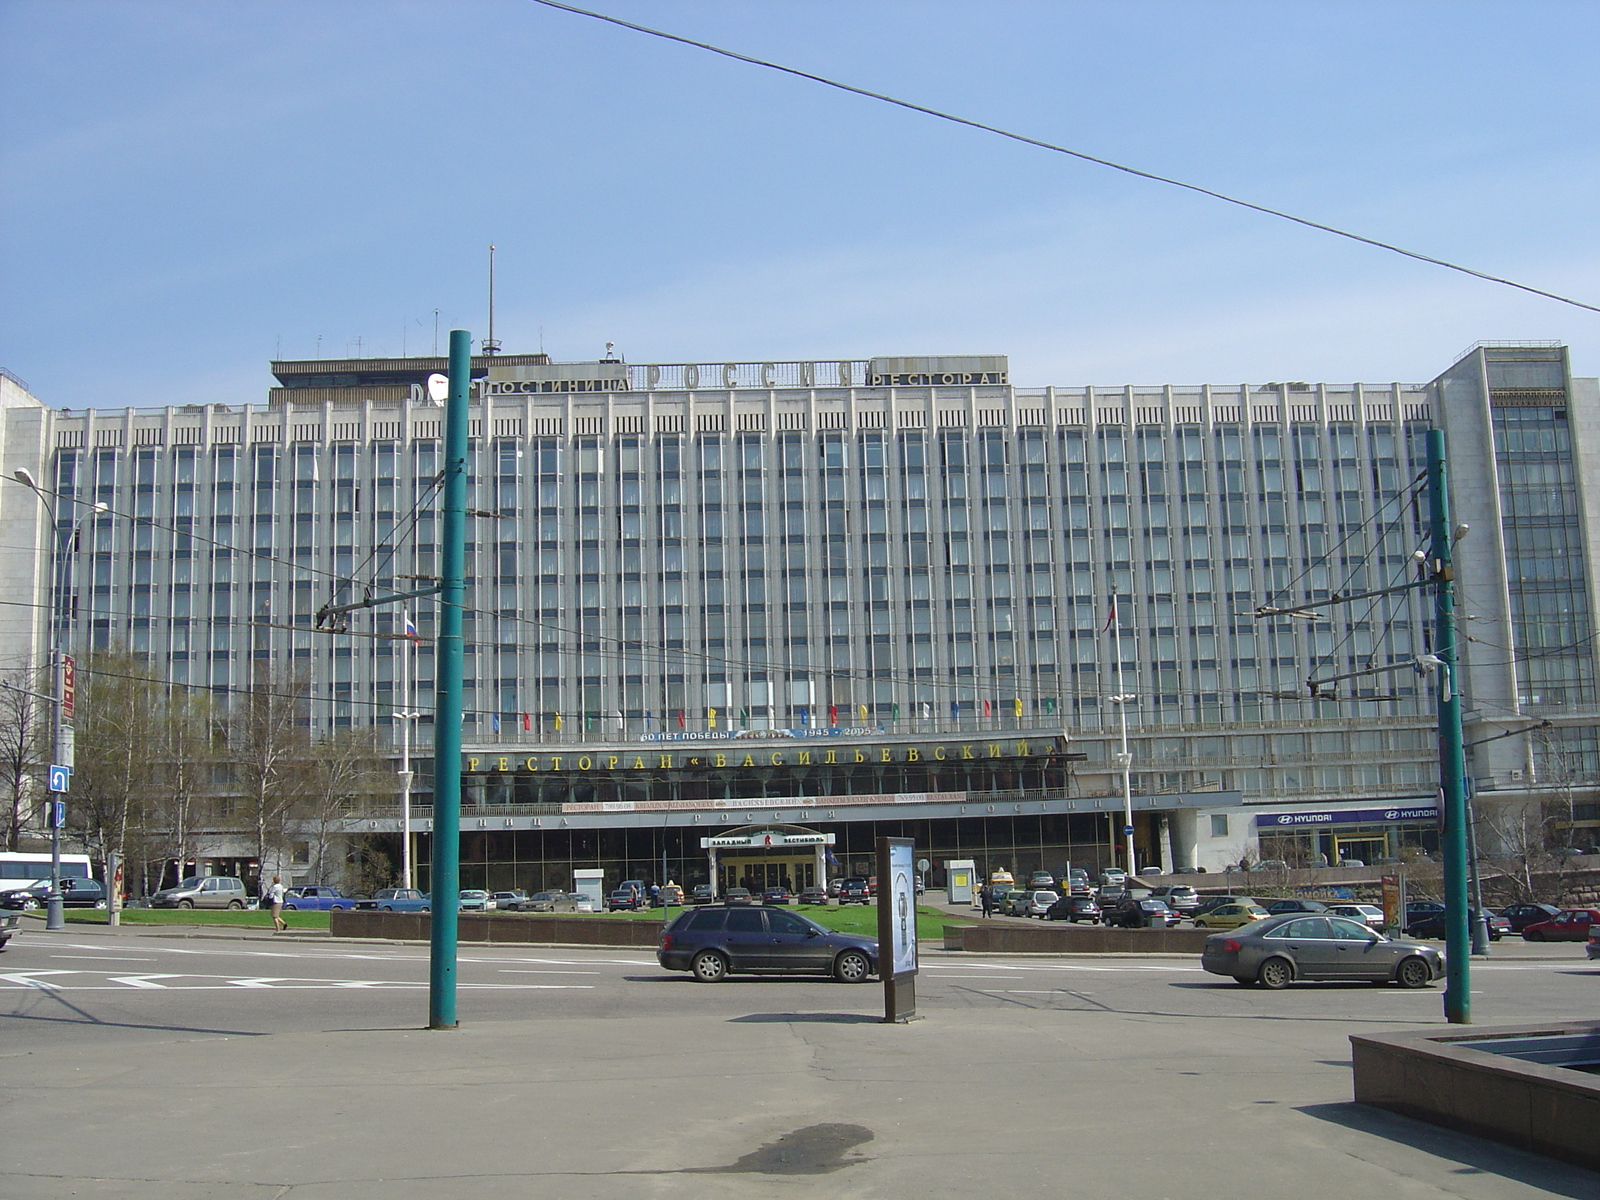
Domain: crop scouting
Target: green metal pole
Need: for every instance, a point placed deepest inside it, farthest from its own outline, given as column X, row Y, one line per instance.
column 446, row 875
column 1452, row 766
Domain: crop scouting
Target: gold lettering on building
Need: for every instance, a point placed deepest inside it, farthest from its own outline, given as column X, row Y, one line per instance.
column 777, row 759
column 503, row 763
column 748, row 761
column 1022, row 749
column 719, row 760
column 532, row 764
column 805, row 758
column 666, row 762
column 611, row 762
column 638, row 762
column 913, row 754
column 994, row 749
column 938, row 753
column 966, row 752
column 831, row 758
column 472, row 765
column 886, row 757
column 585, row 763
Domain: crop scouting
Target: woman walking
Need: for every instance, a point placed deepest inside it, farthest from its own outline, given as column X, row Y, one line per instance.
column 274, row 899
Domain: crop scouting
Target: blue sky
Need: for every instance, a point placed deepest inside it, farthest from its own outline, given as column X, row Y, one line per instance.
column 191, row 188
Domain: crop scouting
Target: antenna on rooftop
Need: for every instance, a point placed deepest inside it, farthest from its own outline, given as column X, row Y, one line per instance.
column 489, row 346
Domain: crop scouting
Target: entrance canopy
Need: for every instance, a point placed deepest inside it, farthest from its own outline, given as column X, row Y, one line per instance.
column 763, row 856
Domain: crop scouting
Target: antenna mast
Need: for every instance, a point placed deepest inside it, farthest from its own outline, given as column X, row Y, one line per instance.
column 489, row 346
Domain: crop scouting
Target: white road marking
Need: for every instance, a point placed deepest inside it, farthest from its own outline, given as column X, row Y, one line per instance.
column 143, row 981
column 30, row 979
column 534, row 971
column 106, row 957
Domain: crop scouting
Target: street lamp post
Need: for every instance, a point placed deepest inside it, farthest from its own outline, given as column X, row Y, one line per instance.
column 1124, row 760
column 54, row 919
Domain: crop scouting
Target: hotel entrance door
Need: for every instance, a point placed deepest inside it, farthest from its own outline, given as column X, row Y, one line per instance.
column 796, row 873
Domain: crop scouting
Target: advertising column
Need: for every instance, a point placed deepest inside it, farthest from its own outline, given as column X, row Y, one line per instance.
column 897, row 928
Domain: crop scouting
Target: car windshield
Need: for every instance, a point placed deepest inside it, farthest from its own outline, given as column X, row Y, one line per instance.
column 190, row 881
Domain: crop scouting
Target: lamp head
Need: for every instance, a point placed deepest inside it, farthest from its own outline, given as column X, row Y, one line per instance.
column 25, row 477
column 99, row 506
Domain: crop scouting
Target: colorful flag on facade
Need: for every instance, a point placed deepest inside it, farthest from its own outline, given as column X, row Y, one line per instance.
column 862, row 708
column 558, row 721
column 494, row 721
column 894, row 712
column 805, row 716
column 411, row 629
column 987, row 710
column 1016, row 706
column 927, row 711
column 647, row 720
column 833, row 714
column 1049, row 704
column 955, row 710
column 744, row 718
column 1111, row 615
column 711, row 717
column 527, row 722
column 680, row 719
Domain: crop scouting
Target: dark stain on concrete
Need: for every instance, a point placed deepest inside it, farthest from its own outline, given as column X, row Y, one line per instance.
column 814, row 1150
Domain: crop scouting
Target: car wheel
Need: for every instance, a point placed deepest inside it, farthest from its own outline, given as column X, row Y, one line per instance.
column 30, row 904
column 235, row 904
column 1244, row 981
column 286, row 907
column 1533, row 935
column 709, row 967
column 1275, row 974
column 387, row 908
column 851, row 967
column 185, row 903
column 337, row 908
column 1413, row 973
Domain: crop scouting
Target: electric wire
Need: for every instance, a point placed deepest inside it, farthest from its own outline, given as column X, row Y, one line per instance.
column 1058, row 149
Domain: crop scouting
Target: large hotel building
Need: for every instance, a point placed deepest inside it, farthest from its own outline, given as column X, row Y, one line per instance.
column 742, row 618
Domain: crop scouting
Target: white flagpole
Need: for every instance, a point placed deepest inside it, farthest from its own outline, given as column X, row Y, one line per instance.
column 1124, row 759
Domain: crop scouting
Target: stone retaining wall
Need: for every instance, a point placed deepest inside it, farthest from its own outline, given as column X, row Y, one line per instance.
column 536, row 928
column 1061, row 937
column 1550, row 1110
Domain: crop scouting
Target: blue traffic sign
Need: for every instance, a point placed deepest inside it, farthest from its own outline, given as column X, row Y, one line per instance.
column 60, row 778
column 1127, row 830
column 60, row 814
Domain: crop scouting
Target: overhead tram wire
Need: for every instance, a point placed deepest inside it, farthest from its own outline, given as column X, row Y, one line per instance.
column 1058, row 149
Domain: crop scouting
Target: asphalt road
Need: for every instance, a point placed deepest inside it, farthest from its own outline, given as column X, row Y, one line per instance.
column 89, row 987
column 143, row 1066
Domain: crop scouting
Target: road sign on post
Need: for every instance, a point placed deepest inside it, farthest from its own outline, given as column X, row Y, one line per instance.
column 69, row 689
column 897, row 928
column 60, row 778
column 58, row 815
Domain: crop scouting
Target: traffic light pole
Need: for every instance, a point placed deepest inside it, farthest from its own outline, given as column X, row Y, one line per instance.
column 1452, row 766
column 445, row 880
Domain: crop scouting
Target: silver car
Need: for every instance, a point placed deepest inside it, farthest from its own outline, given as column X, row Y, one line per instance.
column 1276, row 951
column 212, row 891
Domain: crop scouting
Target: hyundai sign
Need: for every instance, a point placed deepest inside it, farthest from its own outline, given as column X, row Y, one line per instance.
column 1352, row 816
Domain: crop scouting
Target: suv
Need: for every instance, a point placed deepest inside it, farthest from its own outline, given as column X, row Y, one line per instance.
column 718, row 940
column 213, row 891
column 1180, row 897
column 853, row 891
column 624, row 898
column 1038, row 903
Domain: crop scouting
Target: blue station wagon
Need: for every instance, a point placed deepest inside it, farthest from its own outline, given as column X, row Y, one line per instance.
column 720, row 940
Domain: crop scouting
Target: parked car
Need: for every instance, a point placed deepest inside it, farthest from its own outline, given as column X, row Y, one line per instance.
column 1523, row 915
column 1078, row 881
column 548, row 902
column 1280, row 908
column 1369, row 915
column 8, row 926
column 315, row 898
column 1571, row 926
column 1230, row 916
column 624, row 900
column 1591, row 950
column 1270, row 864
column 211, row 891
column 581, row 902
column 853, row 891
column 76, row 892
column 1018, row 902
column 1432, row 925
column 1139, row 912
column 738, row 895
column 814, row 895
column 1038, row 903
column 512, row 901
column 833, row 888
column 1280, row 950
column 701, row 893
column 395, row 900
column 1041, row 881
column 777, row 895
column 1112, row 895
column 1214, row 902
column 474, row 900
column 1180, row 897
column 1113, row 875
column 719, row 940
column 1074, row 908
column 1418, row 909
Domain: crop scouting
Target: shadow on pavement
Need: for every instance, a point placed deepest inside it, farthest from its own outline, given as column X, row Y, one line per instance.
column 1477, row 1156
column 82, row 1018
column 825, row 1018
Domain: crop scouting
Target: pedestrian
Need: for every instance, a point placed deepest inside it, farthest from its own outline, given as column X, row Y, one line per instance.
column 986, row 897
column 274, row 899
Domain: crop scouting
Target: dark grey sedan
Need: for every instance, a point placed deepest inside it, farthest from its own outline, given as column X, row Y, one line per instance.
column 1276, row 951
